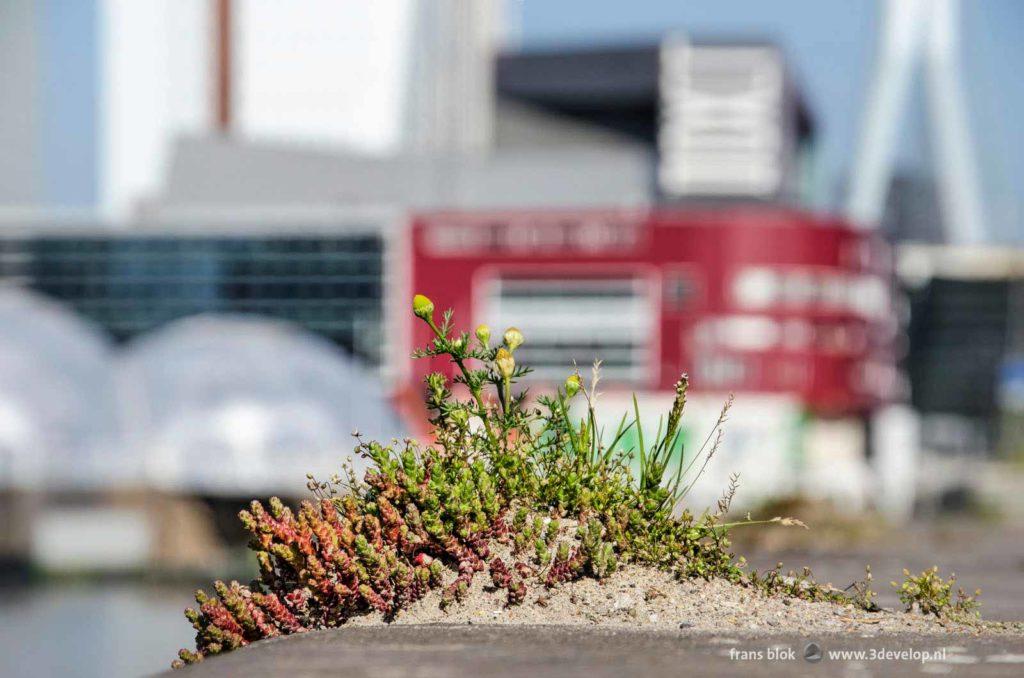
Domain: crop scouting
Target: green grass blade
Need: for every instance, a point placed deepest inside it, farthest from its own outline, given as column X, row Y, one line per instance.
column 640, row 442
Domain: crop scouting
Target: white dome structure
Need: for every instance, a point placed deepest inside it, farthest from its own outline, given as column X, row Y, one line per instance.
column 231, row 405
column 57, row 417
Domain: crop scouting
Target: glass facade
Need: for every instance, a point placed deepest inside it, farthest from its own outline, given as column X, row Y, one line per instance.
column 329, row 284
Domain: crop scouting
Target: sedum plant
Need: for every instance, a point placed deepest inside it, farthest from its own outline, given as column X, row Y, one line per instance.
column 519, row 490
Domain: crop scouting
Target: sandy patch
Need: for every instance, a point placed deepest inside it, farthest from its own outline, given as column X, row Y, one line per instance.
column 643, row 597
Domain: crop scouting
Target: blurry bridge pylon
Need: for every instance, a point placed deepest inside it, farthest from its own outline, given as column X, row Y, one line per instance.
column 919, row 36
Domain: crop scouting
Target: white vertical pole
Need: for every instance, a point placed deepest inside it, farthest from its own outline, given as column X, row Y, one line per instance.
column 896, row 440
column 956, row 169
column 902, row 29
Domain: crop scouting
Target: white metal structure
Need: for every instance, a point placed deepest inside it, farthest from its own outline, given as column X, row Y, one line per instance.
column 919, row 33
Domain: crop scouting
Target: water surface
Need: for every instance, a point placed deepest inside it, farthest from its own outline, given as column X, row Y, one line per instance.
column 92, row 630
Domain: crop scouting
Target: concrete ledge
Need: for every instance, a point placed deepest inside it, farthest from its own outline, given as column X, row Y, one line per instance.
column 584, row 652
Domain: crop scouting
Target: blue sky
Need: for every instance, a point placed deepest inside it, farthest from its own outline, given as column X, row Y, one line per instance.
column 67, row 83
column 830, row 44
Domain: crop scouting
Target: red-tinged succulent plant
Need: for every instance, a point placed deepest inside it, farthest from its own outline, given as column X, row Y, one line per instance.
column 502, row 475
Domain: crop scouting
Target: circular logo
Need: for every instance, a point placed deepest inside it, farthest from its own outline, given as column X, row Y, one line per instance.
column 812, row 653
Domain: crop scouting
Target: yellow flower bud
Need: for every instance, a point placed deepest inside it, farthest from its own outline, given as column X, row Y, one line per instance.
column 483, row 334
column 572, row 385
column 423, row 307
column 513, row 338
column 505, row 363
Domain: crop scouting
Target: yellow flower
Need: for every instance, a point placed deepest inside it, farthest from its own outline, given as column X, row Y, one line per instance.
column 513, row 338
column 505, row 363
column 423, row 307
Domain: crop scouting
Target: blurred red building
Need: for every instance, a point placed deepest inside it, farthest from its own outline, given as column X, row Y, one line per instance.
column 756, row 299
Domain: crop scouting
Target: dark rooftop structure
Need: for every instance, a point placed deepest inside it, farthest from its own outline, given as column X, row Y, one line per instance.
column 617, row 87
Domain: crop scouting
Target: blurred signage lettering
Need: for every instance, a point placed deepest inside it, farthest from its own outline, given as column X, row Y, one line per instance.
column 591, row 235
